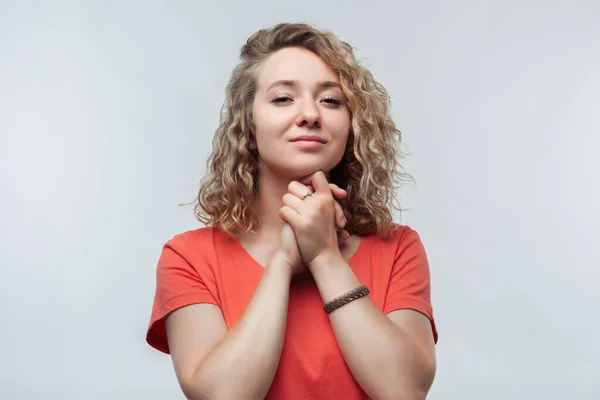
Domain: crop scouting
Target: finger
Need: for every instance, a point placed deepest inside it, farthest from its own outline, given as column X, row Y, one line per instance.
column 307, row 179
column 319, row 182
column 337, row 191
column 316, row 178
column 298, row 189
column 340, row 219
column 293, row 202
column 342, row 236
column 290, row 216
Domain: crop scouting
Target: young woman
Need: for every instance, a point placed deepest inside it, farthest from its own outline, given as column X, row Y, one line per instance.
column 301, row 286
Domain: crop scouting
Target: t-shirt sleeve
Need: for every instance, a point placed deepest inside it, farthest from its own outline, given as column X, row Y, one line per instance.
column 178, row 284
column 410, row 286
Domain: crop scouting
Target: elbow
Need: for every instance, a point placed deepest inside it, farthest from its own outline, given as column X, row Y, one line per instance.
column 192, row 390
column 193, row 394
column 200, row 388
column 429, row 370
column 411, row 386
column 423, row 383
column 195, row 391
column 418, row 385
column 404, row 393
column 195, row 386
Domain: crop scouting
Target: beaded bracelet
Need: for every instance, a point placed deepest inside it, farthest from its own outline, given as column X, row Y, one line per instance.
column 345, row 298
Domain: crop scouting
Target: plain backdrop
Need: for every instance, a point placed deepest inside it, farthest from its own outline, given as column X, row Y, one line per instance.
column 107, row 112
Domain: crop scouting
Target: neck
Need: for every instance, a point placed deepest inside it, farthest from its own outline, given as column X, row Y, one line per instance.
column 270, row 190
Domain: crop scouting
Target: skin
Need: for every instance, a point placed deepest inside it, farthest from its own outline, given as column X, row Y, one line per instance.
column 308, row 105
column 390, row 356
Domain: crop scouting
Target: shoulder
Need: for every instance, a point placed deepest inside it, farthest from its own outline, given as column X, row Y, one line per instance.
column 200, row 235
column 399, row 235
column 197, row 243
column 401, row 242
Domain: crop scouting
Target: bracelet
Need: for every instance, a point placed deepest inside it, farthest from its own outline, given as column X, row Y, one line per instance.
column 345, row 298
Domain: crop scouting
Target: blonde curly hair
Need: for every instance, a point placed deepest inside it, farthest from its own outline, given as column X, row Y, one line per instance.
column 369, row 170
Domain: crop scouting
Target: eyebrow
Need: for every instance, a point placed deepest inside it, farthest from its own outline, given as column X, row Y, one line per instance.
column 291, row 83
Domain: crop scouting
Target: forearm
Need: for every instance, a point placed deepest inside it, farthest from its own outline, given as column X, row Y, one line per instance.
column 381, row 356
column 244, row 363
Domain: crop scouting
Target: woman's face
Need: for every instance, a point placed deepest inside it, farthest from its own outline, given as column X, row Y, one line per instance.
column 300, row 117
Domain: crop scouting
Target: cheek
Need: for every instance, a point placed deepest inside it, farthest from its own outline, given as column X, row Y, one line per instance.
column 343, row 132
column 269, row 124
column 340, row 126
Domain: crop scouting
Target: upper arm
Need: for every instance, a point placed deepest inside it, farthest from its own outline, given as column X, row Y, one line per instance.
column 418, row 327
column 186, row 320
column 192, row 332
column 408, row 302
column 408, row 296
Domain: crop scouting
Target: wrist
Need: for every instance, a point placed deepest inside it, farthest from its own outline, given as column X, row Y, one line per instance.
column 280, row 264
column 326, row 258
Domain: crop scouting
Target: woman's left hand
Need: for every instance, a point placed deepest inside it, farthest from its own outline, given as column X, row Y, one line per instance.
column 312, row 219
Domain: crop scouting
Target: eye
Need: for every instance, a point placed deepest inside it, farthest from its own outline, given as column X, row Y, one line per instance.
column 332, row 100
column 282, row 98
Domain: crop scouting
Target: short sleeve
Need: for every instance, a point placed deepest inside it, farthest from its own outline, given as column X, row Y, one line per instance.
column 410, row 286
column 178, row 284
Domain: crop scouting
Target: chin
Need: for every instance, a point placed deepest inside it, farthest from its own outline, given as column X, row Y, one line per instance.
column 300, row 172
column 299, row 167
column 297, row 171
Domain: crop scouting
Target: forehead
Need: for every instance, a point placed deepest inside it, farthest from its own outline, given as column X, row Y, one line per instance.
column 294, row 64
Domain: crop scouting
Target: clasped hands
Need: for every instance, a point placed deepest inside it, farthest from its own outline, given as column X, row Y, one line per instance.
column 316, row 220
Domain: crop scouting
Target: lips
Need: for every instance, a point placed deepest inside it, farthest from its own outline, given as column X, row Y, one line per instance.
column 309, row 138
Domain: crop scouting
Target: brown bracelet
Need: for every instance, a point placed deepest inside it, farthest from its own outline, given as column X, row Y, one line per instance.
column 345, row 298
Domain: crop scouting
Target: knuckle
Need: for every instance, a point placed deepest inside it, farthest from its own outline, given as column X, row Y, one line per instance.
column 314, row 215
column 305, row 225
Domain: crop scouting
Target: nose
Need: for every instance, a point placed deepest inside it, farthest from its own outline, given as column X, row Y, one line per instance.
column 308, row 115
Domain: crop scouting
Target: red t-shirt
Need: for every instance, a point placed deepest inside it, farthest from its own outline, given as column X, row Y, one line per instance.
column 206, row 266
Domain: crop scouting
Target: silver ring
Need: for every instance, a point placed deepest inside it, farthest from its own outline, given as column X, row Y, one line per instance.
column 307, row 194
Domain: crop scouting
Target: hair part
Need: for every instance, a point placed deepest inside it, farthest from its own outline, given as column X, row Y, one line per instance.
column 369, row 170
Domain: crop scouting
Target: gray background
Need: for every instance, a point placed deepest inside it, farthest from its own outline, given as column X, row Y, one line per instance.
column 107, row 111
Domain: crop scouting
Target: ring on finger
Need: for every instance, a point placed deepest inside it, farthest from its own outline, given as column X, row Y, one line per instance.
column 309, row 193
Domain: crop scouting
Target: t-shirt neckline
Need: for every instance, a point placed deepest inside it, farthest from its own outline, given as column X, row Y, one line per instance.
column 236, row 243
